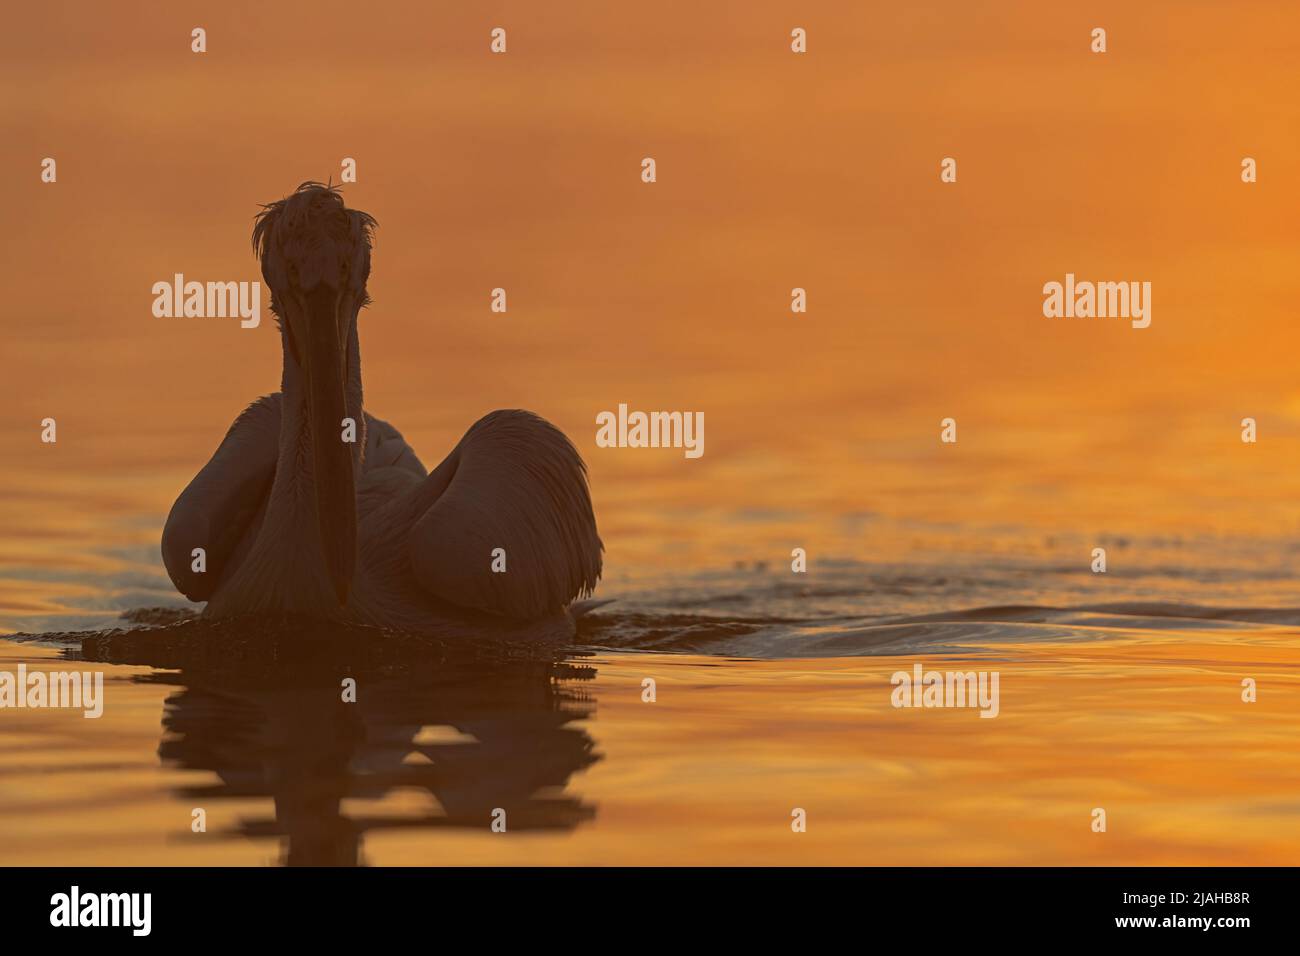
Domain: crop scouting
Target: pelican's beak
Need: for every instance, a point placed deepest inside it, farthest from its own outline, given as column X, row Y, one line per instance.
column 336, row 500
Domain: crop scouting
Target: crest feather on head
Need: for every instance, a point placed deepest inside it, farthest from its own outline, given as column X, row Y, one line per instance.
column 310, row 237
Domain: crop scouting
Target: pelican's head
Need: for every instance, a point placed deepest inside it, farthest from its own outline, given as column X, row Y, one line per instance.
column 315, row 256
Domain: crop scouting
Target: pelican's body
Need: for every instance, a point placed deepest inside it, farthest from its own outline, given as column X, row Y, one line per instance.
column 292, row 518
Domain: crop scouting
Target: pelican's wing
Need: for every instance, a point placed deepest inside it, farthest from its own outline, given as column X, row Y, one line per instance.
column 386, row 448
column 514, row 482
column 391, row 468
column 223, row 502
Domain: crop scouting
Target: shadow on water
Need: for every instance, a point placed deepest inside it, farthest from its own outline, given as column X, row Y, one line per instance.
column 473, row 727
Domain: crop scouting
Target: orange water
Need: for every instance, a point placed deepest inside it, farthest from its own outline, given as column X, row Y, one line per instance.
column 1152, row 731
column 775, row 171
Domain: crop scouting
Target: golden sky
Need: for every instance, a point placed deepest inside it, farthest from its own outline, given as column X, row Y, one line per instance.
column 775, row 170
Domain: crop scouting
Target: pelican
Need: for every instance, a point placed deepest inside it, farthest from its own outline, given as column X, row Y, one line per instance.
column 295, row 519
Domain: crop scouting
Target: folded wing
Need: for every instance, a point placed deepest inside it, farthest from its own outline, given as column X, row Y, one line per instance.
column 514, row 483
column 219, row 510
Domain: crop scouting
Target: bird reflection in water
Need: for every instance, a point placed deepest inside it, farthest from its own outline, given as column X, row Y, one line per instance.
column 477, row 726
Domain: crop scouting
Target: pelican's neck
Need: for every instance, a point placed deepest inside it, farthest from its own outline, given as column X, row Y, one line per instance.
column 293, row 472
column 288, row 551
column 285, row 570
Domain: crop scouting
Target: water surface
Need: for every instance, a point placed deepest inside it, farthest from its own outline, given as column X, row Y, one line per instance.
column 770, row 696
column 1119, row 690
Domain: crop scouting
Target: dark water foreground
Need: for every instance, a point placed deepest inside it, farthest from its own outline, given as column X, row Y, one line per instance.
column 1132, row 707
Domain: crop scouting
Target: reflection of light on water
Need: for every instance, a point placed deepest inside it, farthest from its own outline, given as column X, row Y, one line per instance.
column 706, row 774
column 441, row 734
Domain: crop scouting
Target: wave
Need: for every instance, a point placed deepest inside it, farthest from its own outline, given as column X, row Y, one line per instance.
column 165, row 636
column 965, row 631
